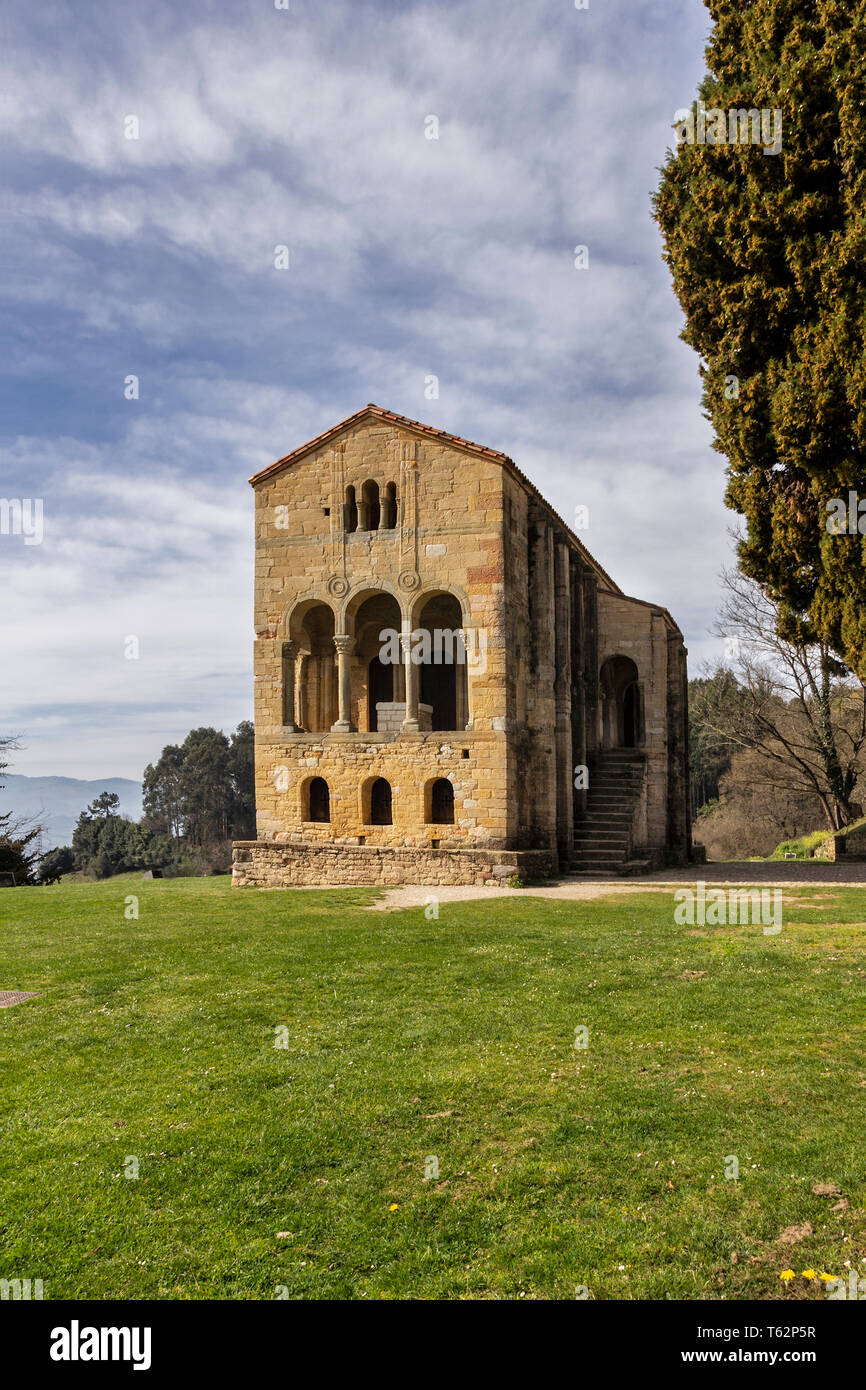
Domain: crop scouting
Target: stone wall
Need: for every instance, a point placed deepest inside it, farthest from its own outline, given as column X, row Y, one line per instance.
column 472, row 761
column 260, row 864
column 851, row 847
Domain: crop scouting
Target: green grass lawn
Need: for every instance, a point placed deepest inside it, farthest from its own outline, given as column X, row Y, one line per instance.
column 303, row 1167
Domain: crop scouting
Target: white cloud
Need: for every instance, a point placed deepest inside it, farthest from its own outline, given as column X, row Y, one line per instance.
column 408, row 256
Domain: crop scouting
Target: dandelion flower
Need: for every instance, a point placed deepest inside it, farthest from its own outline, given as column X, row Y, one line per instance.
column 787, row 1275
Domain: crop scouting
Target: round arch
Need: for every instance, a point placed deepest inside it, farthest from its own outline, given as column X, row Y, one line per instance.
column 348, row 610
column 293, row 615
column 315, row 800
column 418, row 602
column 620, row 703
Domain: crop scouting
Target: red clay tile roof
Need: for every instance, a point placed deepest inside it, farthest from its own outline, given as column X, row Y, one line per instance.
column 379, row 413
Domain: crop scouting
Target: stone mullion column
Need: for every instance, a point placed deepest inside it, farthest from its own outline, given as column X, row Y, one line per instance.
column 345, row 646
column 301, row 690
column 323, row 665
column 410, row 723
column 289, row 653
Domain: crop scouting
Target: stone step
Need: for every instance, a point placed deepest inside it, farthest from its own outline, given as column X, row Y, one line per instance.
column 606, row 837
column 611, row 789
column 594, row 871
column 618, row 787
column 589, row 871
column 631, row 784
column 607, row 817
column 619, row 828
column 616, row 774
column 616, row 770
column 601, row 841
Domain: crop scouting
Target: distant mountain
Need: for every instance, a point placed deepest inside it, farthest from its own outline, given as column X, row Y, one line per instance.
column 57, row 802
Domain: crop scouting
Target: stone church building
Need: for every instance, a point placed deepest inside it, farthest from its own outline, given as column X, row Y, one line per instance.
column 448, row 687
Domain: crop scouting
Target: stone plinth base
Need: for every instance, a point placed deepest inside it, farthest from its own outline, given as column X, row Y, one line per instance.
column 390, row 716
column 265, row 864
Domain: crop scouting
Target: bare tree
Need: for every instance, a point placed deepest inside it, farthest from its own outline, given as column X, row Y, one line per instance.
column 16, row 837
column 7, row 744
column 795, row 706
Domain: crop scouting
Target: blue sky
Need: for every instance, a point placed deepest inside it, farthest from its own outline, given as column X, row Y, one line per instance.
column 154, row 257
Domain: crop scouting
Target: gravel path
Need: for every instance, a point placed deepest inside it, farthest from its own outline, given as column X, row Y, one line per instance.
column 799, row 874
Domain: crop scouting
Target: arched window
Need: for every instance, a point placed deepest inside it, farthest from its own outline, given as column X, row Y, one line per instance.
column 369, row 511
column 380, row 802
column 320, row 800
column 442, row 802
column 389, row 508
column 350, row 511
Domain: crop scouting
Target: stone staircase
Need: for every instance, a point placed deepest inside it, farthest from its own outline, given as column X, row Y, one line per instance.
column 602, row 839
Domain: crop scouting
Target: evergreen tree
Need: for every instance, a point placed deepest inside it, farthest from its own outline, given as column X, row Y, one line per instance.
column 768, row 255
column 202, row 791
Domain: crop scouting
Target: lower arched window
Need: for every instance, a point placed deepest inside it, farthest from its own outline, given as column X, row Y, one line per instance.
column 380, row 802
column 442, row 802
column 320, row 800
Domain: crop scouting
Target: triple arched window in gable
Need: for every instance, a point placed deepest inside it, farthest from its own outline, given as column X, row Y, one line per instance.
column 368, row 509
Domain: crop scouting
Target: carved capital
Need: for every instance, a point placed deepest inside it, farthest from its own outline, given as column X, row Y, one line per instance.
column 345, row 645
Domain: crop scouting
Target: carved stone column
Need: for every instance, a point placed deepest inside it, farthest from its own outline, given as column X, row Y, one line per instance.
column 289, row 653
column 345, row 646
column 301, row 712
column 410, row 723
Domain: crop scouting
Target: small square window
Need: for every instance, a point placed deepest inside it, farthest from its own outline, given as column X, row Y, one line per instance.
column 466, row 752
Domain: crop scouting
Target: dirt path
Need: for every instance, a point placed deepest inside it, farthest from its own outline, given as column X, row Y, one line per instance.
column 777, row 874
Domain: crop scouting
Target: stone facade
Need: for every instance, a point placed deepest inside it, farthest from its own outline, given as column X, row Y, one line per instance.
column 437, row 657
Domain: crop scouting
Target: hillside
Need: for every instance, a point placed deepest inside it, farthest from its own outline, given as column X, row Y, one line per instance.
column 57, row 802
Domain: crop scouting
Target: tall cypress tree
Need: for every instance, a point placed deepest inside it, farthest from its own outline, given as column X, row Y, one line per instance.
column 768, row 256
